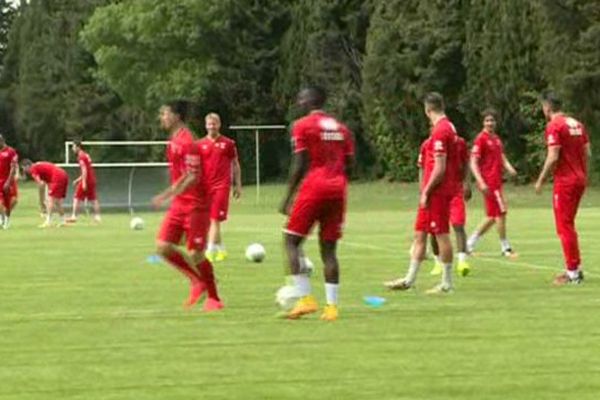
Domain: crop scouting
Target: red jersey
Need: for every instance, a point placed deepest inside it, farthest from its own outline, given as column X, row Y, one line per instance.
column 441, row 142
column 85, row 163
column 422, row 153
column 217, row 157
column 46, row 172
column 572, row 138
column 198, row 191
column 461, row 158
column 328, row 143
column 488, row 151
column 177, row 148
column 8, row 158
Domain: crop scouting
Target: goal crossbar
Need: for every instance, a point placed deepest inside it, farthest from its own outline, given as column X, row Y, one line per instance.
column 253, row 128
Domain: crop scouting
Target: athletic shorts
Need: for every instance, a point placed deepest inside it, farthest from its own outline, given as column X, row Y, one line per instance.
column 434, row 218
column 7, row 198
column 458, row 214
column 219, row 204
column 89, row 194
column 183, row 219
column 57, row 188
column 328, row 213
column 495, row 205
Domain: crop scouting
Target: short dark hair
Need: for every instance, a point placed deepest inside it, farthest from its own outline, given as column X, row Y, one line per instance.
column 315, row 96
column 490, row 112
column 435, row 101
column 179, row 107
column 77, row 142
column 26, row 162
column 552, row 99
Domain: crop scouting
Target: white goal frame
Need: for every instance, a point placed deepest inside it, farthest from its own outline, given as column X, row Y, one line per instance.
column 252, row 128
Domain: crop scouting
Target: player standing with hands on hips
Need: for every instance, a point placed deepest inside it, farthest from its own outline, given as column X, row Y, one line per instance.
column 323, row 158
column 568, row 158
column 219, row 163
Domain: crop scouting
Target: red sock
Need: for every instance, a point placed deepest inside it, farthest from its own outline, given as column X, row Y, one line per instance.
column 208, row 277
column 182, row 266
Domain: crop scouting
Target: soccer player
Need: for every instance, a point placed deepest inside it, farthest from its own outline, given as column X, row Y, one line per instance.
column 568, row 155
column 437, row 189
column 458, row 212
column 323, row 158
column 488, row 162
column 53, row 179
column 189, row 210
column 85, row 185
column 219, row 160
column 8, row 182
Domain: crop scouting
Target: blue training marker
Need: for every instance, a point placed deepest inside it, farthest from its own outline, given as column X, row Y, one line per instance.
column 374, row 301
column 153, row 259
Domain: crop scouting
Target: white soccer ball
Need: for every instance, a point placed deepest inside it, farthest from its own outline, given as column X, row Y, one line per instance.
column 136, row 223
column 286, row 297
column 255, row 252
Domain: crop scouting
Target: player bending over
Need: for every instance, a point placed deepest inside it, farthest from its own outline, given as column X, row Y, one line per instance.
column 488, row 163
column 323, row 158
column 568, row 157
column 458, row 212
column 55, row 181
column 85, row 185
column 8, row 182
column 189, row 210
column 437, row 189
column 219, row 160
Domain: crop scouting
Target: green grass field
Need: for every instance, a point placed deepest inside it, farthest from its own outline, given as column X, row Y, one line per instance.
column 83, row 316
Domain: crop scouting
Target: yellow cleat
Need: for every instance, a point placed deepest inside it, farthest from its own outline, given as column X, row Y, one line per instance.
column 44, row 225
column 210, row 256
column 305, row 305
column 463, row 268
column 437, row 269
column 220, row 256
column 330, row 313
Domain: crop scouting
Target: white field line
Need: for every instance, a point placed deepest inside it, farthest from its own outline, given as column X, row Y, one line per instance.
column 478, row 257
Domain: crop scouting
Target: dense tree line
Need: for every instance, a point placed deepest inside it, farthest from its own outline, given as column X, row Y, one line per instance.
column 100, row 68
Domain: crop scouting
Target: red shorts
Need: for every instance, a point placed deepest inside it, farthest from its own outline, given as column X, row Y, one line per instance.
column 7, row 198
column 434, row 218
column 57, row 188
column 458, row 214
column 219, row 204
column 495, row 205
column 191, row 220
column 89, row 194
column 329, row 213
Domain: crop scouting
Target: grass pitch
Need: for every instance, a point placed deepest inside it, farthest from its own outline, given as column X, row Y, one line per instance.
column 84, row 316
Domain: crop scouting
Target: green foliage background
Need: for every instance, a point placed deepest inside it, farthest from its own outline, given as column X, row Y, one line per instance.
column 100, row 68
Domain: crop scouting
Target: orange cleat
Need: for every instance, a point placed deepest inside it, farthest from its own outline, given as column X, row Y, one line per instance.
column 305, row 305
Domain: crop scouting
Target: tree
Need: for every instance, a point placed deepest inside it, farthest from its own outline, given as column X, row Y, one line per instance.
column 413, row 46
column 325, row 45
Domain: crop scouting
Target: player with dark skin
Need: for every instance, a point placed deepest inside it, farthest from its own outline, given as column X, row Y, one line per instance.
column 310, row 101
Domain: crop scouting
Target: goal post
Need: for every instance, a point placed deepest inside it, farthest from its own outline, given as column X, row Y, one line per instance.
column 256, row 129
column 131, row 184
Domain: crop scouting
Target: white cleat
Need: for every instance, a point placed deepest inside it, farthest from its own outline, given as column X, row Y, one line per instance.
column 440, row 289
column 398, row 284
